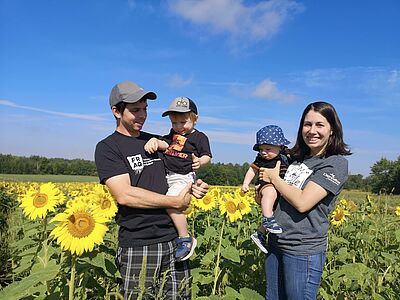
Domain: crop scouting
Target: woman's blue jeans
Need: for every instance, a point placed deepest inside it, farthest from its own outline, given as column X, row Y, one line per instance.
column 293, row 277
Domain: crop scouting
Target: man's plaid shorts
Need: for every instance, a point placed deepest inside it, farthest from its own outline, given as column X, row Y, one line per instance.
column 163, row 278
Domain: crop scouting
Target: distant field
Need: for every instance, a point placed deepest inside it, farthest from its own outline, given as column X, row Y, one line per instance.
column 48, row 178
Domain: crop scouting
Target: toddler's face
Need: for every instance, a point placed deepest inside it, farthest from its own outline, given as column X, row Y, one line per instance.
column 269, row 151
column 182, row 123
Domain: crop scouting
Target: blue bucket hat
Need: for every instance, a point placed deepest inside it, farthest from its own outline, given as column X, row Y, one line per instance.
column 271, row 135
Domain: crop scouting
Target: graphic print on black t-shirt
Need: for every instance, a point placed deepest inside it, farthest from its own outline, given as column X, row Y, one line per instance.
column 176, row 146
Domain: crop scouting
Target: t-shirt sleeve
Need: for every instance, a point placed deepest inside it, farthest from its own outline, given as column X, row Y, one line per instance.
column 203, row 146
column 332, row 174
column 109, row 162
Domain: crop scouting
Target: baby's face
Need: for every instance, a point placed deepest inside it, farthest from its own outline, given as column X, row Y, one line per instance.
column 182, row 123
column 269, row 151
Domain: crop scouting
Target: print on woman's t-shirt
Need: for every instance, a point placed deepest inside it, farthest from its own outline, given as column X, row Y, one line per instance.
column 297, row 174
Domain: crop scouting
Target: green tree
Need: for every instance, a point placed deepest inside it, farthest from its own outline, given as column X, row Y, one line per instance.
column 385, row 176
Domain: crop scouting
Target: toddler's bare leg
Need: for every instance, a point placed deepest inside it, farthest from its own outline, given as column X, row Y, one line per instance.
column 179, row 220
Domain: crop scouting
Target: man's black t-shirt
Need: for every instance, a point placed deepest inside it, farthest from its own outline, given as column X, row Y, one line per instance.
column 178, row 156
column 120, row 154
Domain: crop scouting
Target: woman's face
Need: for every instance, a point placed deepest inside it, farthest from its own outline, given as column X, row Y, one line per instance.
column 316, row 132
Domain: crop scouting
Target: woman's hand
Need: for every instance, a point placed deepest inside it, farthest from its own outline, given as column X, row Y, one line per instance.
column 269, row 175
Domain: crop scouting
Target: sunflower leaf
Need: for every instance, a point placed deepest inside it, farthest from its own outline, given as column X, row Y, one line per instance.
column 231, row 253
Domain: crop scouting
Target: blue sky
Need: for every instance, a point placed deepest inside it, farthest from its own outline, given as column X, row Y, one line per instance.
column 245, row 63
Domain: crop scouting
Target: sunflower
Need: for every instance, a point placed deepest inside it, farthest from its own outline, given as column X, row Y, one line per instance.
column 397, row 210
column 351, row 206
column 191, row 210
column 208, row 202
column 244, row 202
column 339, row 216
column 37, row 202
column 104, row 201
column 79, row 228
column 230, row 206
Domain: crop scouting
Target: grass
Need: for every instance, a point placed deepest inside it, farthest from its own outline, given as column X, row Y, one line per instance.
column 48, row 178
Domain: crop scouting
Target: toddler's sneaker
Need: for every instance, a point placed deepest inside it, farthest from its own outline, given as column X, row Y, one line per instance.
column 271, row 225
column 259, row 239
column 185, row 247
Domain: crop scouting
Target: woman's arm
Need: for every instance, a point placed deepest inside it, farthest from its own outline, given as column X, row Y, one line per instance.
column 301, row 200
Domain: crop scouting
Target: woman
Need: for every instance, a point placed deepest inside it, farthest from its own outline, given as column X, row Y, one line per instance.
column 308, row 192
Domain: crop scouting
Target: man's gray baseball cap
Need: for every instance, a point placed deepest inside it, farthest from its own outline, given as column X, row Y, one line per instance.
column 129, row 92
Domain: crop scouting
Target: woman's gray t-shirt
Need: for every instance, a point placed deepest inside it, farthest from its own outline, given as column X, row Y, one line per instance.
column 306, row 233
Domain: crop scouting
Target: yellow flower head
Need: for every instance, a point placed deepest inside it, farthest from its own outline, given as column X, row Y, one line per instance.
column 208, row 202
column 191, row 210
column 103, row 200
column 398, row 210
column 243, row 201
column 37, row 202
column 79, row 228
column 339, row 216
column 230, row 206
column 351, row 206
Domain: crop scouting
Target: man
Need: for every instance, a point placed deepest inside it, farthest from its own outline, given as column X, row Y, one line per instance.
column 137, row 181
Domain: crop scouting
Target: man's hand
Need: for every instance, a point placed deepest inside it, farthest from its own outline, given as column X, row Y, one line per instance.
column 199, row 189
column 195, row 162
column 185, row 196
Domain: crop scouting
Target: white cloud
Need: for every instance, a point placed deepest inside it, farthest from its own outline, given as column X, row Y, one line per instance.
column 177, row 81
column 268, row 90
column 61, row 114
column 250, row 22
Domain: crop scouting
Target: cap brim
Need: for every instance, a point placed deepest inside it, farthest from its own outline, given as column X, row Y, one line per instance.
column 167, row 112
column 140, row 95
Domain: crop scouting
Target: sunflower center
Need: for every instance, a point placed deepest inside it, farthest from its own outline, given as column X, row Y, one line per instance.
column 231, row 207
column 40, row 200
column 105, row 204
column 242, row 206
column 206, row 200
column 339, row 215
column 80, row 224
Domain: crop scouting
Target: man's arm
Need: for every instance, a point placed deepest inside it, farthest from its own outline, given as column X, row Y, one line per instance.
column 125, row 194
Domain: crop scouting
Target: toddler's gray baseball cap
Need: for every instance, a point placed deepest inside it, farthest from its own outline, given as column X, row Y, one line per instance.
column 181, row 104
column 129, row 92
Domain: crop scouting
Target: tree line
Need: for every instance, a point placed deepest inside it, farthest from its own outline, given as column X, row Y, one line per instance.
column 10, row 164
column 384, row 178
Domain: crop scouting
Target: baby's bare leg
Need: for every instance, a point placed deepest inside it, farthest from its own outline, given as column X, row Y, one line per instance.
column 268, row 197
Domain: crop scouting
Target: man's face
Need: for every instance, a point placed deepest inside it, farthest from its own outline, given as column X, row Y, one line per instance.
column 132, row 118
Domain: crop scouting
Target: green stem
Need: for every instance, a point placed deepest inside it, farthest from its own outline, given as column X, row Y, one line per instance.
column 237, row 236
column 216, row 270
column 72, row 279
column 44, row 233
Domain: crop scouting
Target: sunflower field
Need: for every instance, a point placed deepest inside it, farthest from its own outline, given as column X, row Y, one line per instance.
column 58, row 241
